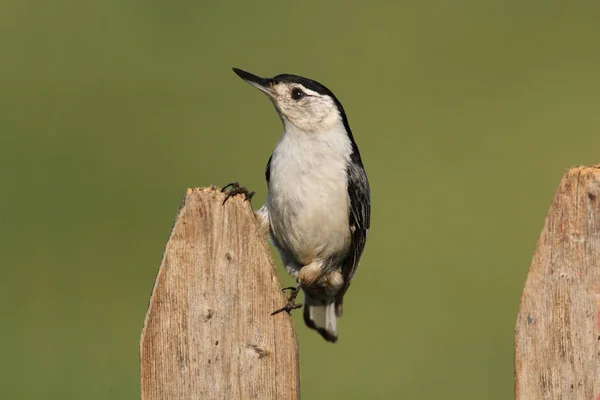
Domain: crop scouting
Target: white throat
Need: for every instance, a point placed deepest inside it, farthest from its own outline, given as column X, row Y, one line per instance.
column 317, row 147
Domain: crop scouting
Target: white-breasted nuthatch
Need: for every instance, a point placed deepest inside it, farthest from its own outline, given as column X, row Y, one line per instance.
column 318, row 203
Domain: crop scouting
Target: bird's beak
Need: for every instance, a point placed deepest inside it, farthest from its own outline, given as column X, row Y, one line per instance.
column 265, row 85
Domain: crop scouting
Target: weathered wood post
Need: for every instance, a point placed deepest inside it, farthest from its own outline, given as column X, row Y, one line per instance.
column 557, row 346
column 208, row 332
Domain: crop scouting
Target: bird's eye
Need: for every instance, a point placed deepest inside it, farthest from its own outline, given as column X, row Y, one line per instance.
column 297, row 94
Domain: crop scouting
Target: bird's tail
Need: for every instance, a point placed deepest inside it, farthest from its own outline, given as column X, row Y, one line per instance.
column 320, row 316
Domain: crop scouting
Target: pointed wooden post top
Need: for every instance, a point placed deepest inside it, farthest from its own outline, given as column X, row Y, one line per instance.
column 557, row 336
column 208, row 332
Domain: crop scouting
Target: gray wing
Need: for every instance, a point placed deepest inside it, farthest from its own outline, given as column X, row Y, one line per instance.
column 360, row 221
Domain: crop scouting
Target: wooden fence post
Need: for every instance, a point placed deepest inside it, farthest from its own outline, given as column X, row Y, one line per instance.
column 208, row 332
column 557, row 346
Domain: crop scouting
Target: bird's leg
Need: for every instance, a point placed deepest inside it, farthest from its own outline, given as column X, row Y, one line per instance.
column 291, row 304
column 237, row 189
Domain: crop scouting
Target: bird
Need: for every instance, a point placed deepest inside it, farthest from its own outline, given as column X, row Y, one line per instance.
column 318, row 206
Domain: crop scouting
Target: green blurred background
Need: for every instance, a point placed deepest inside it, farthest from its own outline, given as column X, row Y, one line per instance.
column 467, row 113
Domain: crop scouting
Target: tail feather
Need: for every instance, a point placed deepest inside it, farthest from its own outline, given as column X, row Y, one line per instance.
column 321, row 317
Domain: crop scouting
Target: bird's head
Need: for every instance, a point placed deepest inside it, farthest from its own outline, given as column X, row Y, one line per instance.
column 302, row 102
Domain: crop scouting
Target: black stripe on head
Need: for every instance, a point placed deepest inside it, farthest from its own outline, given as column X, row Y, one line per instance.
column 307, row 83
column 322, row 89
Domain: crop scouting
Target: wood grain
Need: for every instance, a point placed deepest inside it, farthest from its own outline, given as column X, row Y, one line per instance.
column 557, row 343
column 208, row 332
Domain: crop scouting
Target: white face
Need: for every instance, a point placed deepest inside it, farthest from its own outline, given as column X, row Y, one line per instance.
column 298, row 105
column 304, row 108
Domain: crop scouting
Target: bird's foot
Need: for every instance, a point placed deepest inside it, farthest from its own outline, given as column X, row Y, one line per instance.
column 237, row 189
column 292, row 289
column 291, row 304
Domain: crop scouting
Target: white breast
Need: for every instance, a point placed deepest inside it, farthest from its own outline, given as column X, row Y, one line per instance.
column 308, row 197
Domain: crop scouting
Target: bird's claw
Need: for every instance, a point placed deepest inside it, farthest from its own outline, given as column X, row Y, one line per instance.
column 237, row 189
column 288, row 307
column 291, row 304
